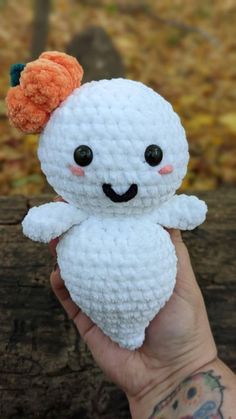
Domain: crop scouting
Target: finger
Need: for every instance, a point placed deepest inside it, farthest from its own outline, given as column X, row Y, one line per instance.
column 83, row 323
column 104, row 351
column 58, row 198
column 185, row 281
column 52, row 246
column 53, row 243
column 62, row 294
column 175, row 235
column 184, row 262
column 180, row 247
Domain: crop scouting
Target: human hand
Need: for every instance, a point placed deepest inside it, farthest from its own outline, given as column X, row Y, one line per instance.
column 178, row 340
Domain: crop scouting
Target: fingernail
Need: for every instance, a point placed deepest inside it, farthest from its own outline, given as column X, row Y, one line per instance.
column 55, row 267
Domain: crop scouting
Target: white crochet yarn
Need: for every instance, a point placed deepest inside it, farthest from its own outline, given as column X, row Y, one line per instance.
column 116, row 259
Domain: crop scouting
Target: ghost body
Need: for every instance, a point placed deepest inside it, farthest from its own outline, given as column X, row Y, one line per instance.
column 120, row 272
column 116, row 152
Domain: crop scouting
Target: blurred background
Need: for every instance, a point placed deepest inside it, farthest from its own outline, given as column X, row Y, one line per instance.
column 185, row 50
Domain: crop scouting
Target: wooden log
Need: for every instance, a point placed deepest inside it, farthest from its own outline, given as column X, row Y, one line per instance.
column 46, row 371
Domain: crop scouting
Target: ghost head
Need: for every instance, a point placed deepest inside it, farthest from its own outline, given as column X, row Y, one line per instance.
column 112, row 146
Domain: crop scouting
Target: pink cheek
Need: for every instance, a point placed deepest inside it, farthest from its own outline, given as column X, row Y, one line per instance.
column 166, row 169
column 76, row 170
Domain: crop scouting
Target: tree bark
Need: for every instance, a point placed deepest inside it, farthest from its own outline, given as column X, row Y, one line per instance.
column 40, row 27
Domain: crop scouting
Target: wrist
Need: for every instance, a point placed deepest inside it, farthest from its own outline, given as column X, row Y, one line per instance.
column 210, row 388
column 168, row 379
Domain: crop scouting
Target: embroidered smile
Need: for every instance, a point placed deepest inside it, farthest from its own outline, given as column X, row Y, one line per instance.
column 125, row 197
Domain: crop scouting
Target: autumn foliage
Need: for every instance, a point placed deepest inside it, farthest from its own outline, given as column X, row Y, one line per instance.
column 184, row 50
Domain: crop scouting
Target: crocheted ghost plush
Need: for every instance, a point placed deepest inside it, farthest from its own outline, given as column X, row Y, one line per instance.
column 116, row 152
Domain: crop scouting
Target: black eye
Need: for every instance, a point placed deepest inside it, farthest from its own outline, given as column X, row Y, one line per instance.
column 153, row 155
column 83, row 155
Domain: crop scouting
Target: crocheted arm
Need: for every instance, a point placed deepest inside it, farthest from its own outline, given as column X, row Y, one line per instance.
column 49, row 221
column 182, row 212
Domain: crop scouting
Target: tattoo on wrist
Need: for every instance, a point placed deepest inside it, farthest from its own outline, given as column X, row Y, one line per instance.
column 198, row 397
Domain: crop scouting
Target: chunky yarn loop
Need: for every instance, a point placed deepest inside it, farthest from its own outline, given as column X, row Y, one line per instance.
column 39, row 87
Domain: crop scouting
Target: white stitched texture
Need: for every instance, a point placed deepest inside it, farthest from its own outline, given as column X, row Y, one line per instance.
column 117, row 260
